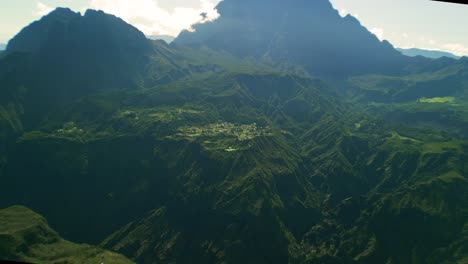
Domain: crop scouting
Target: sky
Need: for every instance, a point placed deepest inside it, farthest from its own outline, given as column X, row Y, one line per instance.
column 404, row 23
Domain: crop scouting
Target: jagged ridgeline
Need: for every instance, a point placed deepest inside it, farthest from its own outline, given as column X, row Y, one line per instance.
column 220, row 147
column 311, row 34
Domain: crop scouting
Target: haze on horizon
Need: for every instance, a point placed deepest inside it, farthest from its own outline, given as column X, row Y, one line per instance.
column 406, row 24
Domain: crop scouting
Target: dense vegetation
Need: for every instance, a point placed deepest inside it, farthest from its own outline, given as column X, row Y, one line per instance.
column 206, row 151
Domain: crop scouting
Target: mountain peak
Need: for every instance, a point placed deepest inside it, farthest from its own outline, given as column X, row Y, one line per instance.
column 90, row 12
column 85, row 52
column 274, row 8
column 64, row 11
column 269, row 3
column 61, row 14
column 65, row 29
column 309, row 33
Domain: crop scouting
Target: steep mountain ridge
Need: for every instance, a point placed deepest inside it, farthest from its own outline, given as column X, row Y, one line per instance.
column 95, row 51
column 307, row 33
column 63, row 31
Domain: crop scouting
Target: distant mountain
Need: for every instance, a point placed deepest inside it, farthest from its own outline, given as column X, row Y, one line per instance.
column 308, row 33
column 67, row 55
column 91, row 49
column 2, row 46
column 433, row 54
column 166, row 38
column 54, row 31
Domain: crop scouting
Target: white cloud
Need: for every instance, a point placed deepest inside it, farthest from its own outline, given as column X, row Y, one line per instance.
column 343, row 12
column 152, row 19
column 455, row 48
column 405, row 35
column 378, row 32
column 42, row 9
column 410, row 46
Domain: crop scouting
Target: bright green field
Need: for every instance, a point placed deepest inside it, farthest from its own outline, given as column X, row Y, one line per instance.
column 437, row 100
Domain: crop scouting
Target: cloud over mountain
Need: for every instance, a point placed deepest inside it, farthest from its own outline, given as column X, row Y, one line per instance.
column 152, row 18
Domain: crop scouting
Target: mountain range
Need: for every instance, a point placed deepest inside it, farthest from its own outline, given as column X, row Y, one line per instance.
column 166, row 38
column 433, row 54
column 279, row 133
column 279, row 32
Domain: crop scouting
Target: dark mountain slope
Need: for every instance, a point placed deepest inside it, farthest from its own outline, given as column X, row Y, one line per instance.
column 419, row 187
column 88, row 51
column 65, row 56
column 308, row 33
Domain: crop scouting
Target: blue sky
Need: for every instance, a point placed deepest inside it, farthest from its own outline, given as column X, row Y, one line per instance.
column 405, row 23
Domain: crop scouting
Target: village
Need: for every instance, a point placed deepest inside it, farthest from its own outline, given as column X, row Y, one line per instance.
column 240, row 132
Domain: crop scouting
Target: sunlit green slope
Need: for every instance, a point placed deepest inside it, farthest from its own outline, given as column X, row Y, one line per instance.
column 25, row 236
